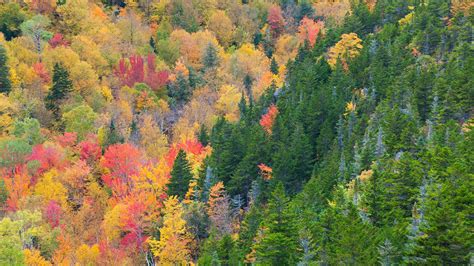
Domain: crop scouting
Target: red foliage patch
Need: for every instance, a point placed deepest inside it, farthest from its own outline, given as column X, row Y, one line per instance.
column 268, row 119
column 58, row 40
column 53, row 213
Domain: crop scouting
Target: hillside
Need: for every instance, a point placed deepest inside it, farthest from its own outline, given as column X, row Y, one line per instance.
column 222, row 132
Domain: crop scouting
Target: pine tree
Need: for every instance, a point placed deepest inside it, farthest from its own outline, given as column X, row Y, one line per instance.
column 401, row 180
column 293, row 161
column 5, row 84
column 342, row 237
column 3, row 192
column 445, row 235
column 113, row 135
column 153, row 44
column 62, row 86
column 180, row 90
column 274, row 66
column 180, row 176
column 210, row 58
column 227, row 149
column 203, row 136
column 243, row 107
column 279, row 243
column 249, row 228
column 248, row 81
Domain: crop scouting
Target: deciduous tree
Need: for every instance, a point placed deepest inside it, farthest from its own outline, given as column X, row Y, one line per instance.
column 173, row 246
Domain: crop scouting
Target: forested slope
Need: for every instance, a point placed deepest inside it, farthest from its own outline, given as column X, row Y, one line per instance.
column 222, row 132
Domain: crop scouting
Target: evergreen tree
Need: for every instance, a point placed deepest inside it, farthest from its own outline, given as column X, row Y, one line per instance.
column 248, row 81
column 249, row 228
column 180, row 90
column 210, row 58
column 203, row 136
column 274, row 66
column 293, row 161
column 62, row 86
column 279, row 245
column 242, row 107
column 3, row 192
column 153, row 44
column 227, row 150
column 256, row 151
column 445, row 235
column 113, row 136
column 180, row 176
column 305, row 9
column 5, row 84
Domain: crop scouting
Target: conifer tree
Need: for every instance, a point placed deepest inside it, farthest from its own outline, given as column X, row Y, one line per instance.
column 203, row 136
column 180, row 90
column 210, row 58
column 279, row 243
column 274, row 66
column 153, row 44
column 293, row 162
column 180, row 176
column 227, row 150
column 5, row 84
column 62, row 86
column 3, row 192
column 113, row 136
column 248, row 81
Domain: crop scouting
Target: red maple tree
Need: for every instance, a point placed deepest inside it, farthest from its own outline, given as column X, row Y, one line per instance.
column 268, row 119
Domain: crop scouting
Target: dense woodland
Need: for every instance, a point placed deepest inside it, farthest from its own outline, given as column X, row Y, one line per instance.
column 236, row 132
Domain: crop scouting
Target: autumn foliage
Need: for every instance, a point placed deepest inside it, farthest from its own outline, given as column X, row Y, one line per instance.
column 268, row 118
column 309, row 30
column 133, row 71
column 224, row 132
column 347, row 48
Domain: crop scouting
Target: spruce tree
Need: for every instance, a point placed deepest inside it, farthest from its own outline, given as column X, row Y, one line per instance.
column 210, row 58
column 180, row 176
column 242, row 107
column 274, row 66
column 62, row 86
column 203, row 136
column 113, row 135
column 279, row 243
column 249, row 228
column 227, row 150
column 153, row 44
column 3, row 192
column 293, row 161
column 5, row 84
column 248, row 81
column 180, row 90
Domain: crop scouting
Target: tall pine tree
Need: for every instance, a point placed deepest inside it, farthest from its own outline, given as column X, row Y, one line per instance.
column 62, row 86
column 5, row 84
column 180, row 176
column 279, row 245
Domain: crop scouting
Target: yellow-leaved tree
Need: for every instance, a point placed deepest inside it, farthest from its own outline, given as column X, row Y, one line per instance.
column 33, row 257
column 228, row 102
column 173, row 246
column 49, row 188
column 347, row 48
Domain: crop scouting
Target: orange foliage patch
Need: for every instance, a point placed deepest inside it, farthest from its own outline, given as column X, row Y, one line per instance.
column 268, row 119
column 266, row 171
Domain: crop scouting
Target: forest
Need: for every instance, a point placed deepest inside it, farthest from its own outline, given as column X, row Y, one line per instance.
column 236, row 132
